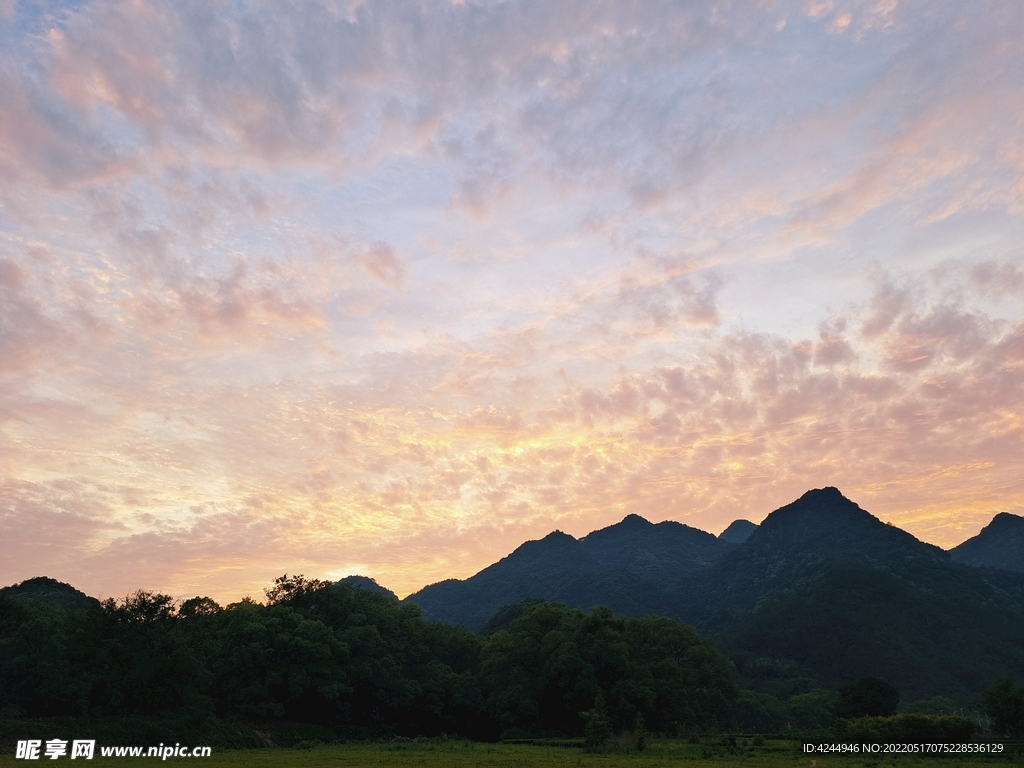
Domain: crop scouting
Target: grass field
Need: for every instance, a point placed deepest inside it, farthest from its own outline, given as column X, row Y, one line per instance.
column 459, row 754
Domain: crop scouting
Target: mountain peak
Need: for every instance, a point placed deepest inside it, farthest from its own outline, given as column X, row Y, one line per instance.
column 1005, row 521
column 635, row 521
column 738, row 531
column 555, row 544
column 825, row 521
column 1000, row 544
column 51, row 591
column 366, row 583
column 817, row 504
column 557, row 536
column 829, row 492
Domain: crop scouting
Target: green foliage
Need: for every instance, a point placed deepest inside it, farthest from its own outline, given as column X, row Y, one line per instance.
column 597, row 731
column 209, row 731
column 756, row 712
column 759, row 712
column 322, row 654
column 813, row 710
column 198, row 606
column 906, row 728
column 287, row 588
column 640, row 732
column 504, row 616
column 50, row 591
column 936, row 705
column 1003, row 702
column 868, row 697
column 35, row 644
column 553, row 663
column 353, row 662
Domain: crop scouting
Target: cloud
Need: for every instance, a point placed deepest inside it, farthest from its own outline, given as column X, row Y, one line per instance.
column 24, row 329
column 997, row 279
column 51, row 526
column 42, row 137
column 383, row 265
column 371, row 473
column 398, row 286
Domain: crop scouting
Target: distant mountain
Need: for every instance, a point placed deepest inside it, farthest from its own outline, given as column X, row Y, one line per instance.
column 50, row 591
column 821, row 593
column 506, row 615
column 631, row 567
column 999, row 545
column 737, row 532
column 555, row 568
column 365, row 582
column 653, row 551
column 826, row 587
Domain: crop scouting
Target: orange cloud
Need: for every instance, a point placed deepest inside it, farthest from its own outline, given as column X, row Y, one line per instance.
column 711, row 259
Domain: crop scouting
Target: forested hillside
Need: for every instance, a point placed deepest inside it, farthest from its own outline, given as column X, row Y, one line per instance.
column 820, row 594
column 1000, row 544
column 356, row 661
column 634, row 567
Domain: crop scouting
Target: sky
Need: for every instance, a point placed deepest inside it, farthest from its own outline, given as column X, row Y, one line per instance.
column 389, row 288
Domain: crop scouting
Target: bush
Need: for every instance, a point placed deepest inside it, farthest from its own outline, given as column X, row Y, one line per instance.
column 597, row 731
column 905, row 728
column 1003, row 702
column 640, row 732
column 813, row 709
column 936, row 705
column 868, row 697
column 756, row 712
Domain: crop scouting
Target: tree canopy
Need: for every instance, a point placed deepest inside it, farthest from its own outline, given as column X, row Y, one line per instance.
column 356, row 661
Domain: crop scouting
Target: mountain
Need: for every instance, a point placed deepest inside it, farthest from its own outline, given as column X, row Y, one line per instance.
column 999, row 545
column 653, row 551
column 630, row 567
column 737, row 532
column 50, row 591
column 824, row 587
column 821, row 593
column 555, row 568
column 365, row 582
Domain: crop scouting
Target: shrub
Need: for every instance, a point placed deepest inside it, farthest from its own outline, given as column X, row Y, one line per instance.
column 906, row 728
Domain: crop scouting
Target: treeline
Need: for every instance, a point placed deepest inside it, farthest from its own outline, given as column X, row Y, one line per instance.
column 359, row 663
column 353, row 663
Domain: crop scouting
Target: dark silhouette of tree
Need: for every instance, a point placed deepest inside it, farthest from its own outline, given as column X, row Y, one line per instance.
column 356, row 661
column 868, row 697
column 1003, row 702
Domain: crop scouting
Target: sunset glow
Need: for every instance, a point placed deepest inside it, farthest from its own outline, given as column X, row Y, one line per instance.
column 390, row 288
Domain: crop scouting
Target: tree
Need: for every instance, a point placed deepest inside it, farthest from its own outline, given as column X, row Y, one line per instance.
column 198, row 606
column 287, row 588
column 1003, row 702
column 597, row 731
column 868, row 697
column 543, row 675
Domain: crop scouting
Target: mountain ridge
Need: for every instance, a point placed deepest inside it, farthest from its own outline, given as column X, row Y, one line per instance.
column 738, row 531
column 50, row 591
column 1000, row 544
column 888, row 604
column 821, row 588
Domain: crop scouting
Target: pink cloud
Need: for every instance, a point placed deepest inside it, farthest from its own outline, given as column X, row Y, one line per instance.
column 240, row 291
column 383, row 265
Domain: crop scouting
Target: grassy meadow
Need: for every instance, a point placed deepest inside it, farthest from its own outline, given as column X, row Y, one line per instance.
column 464, row 754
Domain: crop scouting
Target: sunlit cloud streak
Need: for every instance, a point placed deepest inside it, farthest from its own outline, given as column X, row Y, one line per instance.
column 389, row 288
